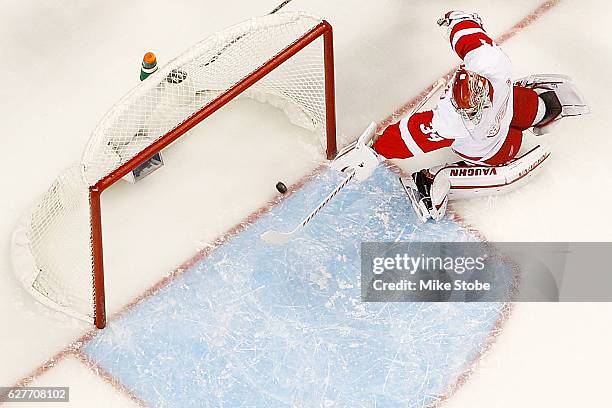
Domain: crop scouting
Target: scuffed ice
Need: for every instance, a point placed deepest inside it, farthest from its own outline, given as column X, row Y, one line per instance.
column 255, row 325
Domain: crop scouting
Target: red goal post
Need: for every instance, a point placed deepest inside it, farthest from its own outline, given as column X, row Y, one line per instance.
column 284, row 59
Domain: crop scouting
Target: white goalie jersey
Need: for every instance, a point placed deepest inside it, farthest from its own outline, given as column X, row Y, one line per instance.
column 481, row 55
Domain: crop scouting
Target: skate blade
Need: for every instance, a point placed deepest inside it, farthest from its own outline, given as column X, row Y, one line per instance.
column 413, row 196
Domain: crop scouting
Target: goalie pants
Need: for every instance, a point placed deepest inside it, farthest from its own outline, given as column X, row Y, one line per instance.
column 391, row 145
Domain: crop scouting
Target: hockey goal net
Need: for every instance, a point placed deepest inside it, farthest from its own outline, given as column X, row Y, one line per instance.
column 282, row 59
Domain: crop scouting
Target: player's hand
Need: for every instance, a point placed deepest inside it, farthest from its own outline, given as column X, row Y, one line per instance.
column 453, row 17
column 358, row 157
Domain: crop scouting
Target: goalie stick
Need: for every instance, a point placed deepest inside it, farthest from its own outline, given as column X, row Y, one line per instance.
column 368, row 137
column 440, row 83
column 276, row 237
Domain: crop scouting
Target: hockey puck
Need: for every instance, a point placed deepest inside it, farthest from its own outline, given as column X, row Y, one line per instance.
column 281, row 187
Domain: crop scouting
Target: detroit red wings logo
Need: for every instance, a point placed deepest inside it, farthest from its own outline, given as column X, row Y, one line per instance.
column 501, row 114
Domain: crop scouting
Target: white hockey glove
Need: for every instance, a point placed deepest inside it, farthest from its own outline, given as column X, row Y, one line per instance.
column 358, row 156
column 453, row 17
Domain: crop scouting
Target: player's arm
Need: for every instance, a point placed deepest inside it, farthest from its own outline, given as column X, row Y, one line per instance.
column 474, row 46
column 411, row 136
column 466, row 32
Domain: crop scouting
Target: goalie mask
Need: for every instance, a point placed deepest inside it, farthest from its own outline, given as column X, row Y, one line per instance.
column 472, row 93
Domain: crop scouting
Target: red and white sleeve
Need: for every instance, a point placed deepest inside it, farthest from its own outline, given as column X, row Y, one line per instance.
column 466, row 36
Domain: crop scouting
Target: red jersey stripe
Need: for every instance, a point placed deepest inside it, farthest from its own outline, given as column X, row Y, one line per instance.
column 462, row 26
column 471, row 42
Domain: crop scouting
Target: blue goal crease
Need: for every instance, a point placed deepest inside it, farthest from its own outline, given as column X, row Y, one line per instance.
column 259, row 325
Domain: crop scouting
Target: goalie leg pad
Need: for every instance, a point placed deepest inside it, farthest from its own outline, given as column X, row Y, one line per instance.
column 439, row 196
column 468, row 180
column 429, row 190
column 561, row 98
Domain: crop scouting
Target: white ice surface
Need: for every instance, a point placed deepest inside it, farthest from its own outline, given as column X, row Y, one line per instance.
column 549, row 355
column 65, row 63
column 83, row 384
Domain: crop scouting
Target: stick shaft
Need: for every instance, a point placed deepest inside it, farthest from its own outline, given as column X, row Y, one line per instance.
column 325, row 201
column 275, row 237
column 439, row 84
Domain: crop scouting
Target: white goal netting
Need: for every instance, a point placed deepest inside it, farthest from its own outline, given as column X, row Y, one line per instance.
column 52, row 248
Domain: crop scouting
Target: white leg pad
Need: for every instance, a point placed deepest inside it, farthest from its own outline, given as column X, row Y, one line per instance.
column 439, row 196
column 473, row 180
column 572, row 101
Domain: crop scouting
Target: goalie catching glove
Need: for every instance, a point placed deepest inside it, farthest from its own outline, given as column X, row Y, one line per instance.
column 358, row 157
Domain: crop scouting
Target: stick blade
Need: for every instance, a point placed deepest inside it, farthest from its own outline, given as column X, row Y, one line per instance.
column 277, row 238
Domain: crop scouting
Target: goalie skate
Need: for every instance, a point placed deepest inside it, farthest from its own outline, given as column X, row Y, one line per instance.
column 417, row 200
column 428, row 194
